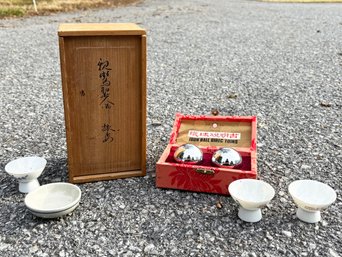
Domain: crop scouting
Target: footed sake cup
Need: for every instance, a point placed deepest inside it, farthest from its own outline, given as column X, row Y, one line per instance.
column 311, row 197
column 251, row 195
column 26, row 170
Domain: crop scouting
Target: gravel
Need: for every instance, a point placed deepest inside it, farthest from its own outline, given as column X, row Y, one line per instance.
column 281, row 62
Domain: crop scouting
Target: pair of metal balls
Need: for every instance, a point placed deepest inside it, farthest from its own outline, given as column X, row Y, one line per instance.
column 223, row 157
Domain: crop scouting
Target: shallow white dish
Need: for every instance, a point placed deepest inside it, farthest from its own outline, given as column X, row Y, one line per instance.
column 26, row 170
column 311, row 197
column 51, row 215
column 252, row 195
column 53, row 200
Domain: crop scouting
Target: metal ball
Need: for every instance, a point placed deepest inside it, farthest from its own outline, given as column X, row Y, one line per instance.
column 189, row 154
column 226, row 157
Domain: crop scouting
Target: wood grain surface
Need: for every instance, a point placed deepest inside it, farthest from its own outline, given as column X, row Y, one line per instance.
column 104, row 90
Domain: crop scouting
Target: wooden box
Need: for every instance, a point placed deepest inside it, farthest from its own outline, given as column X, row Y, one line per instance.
column 103, row 70
column 209, row 133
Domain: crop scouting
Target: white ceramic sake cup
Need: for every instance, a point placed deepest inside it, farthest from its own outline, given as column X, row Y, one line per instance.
column 311, row 197
column 26, row 170
column 251, row 195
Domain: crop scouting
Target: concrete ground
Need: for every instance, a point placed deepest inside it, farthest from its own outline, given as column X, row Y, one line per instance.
column 284, row 64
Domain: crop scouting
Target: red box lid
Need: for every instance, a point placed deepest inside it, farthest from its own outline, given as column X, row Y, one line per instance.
column 238, row 132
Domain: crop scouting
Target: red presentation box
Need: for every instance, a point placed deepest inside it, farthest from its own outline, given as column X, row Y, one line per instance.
column 209, row 133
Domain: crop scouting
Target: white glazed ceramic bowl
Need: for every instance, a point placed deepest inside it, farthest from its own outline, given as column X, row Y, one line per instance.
column 311, row 195
column 252, row 195
column 53, row 200
column 26, row 170
column 51, row 215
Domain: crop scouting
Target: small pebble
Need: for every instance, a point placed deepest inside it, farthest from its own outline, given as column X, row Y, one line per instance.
column 287, row 233
column 333, row 253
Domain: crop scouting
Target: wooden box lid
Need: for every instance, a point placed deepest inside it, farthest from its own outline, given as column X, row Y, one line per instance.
column 103, row 68
column 99, row 29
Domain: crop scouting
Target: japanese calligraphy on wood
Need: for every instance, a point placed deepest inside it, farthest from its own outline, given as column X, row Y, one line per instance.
column 104, row 89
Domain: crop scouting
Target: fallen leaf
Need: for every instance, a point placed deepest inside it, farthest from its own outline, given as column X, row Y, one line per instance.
column 232, row 96
column 323, row 104
column 219, row 204
column 214, row 111
column 156, row 123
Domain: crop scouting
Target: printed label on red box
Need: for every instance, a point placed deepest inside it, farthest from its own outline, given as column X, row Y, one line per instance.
column 210, row 136
column 216, row 135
